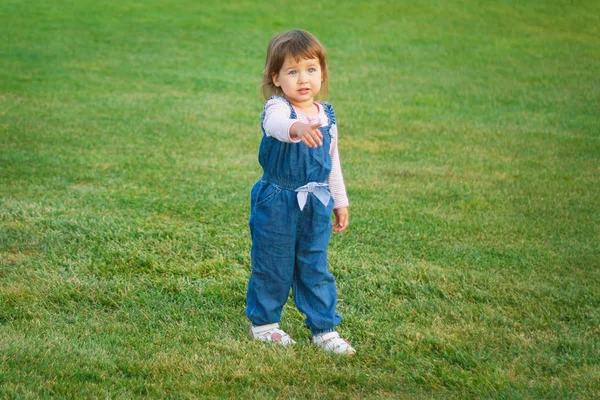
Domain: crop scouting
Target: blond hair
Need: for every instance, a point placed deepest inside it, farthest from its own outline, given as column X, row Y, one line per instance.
column 300, row 45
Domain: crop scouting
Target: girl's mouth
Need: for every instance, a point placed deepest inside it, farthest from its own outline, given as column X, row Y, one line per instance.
column 304, row 91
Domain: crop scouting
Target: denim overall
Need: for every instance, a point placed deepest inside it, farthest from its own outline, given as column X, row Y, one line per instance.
column 290, row 224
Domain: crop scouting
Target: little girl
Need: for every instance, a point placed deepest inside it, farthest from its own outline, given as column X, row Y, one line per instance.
column 292, row 203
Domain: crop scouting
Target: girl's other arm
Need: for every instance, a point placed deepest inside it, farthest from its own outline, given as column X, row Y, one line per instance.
column 338, row 187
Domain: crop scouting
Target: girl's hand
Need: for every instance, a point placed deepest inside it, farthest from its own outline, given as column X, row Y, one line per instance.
column 341, row 219
column 309, row 134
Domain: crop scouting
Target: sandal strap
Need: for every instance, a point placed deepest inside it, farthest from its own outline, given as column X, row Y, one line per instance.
column 271, row 333
column 333, row 342
column 326, row 337
column 265, row 328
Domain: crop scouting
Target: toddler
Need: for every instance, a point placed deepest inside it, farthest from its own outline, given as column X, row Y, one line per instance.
column 291, row 205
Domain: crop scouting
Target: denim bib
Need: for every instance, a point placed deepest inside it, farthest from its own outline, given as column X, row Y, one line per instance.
column 294, row 165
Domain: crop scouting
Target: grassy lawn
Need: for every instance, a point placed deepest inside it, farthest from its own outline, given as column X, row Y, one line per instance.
column 470, row 141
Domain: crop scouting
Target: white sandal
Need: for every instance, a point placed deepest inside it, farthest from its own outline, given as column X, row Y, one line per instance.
column 332, row 342
column 271, row 333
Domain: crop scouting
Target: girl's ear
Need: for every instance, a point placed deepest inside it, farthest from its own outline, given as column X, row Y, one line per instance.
column 275, row 78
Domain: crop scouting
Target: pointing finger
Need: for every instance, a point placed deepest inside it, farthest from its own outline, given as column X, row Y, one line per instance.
column 315, row 128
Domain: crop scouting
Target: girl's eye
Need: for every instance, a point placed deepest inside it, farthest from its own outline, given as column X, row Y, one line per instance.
column 292, row 72
column 311, row 70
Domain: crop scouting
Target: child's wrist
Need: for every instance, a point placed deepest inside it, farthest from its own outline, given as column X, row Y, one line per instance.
column 294, row 134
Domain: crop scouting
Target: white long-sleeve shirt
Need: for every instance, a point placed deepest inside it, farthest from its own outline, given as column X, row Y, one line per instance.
column 277, row 124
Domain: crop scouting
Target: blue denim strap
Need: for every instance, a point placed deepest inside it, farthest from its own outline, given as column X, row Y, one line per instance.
column 316, row 188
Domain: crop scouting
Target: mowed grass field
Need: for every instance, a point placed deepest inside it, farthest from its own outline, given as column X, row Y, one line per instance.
column 470, row 142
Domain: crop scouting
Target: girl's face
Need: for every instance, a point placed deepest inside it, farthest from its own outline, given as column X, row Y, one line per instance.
column 300, row 81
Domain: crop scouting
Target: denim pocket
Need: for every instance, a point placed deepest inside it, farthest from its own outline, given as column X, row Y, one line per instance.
column 267, row 192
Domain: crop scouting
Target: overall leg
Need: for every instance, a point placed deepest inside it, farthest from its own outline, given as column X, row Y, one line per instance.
column 272, row 256
column 314, row 286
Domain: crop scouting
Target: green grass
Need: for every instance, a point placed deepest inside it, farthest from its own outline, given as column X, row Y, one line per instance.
column 470, row 140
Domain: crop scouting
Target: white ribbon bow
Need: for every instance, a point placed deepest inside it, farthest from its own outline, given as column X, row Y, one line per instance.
column 318, row 189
